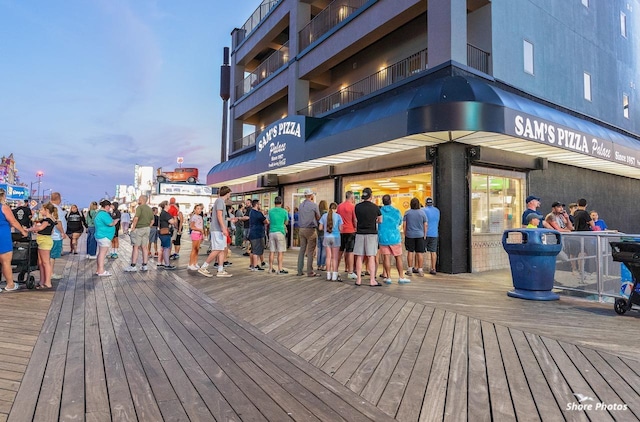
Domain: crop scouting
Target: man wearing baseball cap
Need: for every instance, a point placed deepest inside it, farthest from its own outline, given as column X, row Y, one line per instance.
column 533, row 203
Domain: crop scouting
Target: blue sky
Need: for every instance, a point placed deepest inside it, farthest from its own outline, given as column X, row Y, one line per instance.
column 89, row 88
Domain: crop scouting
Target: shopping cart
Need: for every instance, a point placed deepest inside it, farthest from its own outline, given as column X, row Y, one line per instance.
column 25, row 258
column 629, row 254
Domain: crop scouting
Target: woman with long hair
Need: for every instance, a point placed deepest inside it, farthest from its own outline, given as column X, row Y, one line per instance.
column 75, row 227
column 196, row 224
column 321, row 260
column 105, row 230
column 331, row 225
column 7, row 220
column 92, row 246
column 44, row 228
column 165, row 221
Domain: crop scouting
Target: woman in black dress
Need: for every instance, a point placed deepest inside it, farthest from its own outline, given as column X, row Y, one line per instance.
column 75, row 226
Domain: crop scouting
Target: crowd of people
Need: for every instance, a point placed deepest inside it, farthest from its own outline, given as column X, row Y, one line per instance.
column 362, row 233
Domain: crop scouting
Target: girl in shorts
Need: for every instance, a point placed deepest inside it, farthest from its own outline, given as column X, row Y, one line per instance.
column 44, row 228
column 331, row 224
column 196, row 224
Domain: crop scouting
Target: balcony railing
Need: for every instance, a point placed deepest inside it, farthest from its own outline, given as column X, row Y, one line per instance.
column 274, row 62
column 254, row 20
column 413, row 64
column 477, row 59
column 332, row 15
column 245, row 141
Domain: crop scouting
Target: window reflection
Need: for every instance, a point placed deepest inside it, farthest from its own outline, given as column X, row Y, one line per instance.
column 496, row 200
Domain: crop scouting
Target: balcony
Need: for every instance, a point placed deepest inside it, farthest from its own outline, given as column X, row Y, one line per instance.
column 268, row 67
column 329, row 17
column 245, row 141
column 412, row 65
column 477, row 59
column 255, row 19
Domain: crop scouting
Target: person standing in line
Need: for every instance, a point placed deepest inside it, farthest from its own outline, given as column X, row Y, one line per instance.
column 75, row 226
column 368, row 216
column 245, row 219
column 239, row 227
column 165, row 221
column 139, row 234
column 115, row 242
column 331, row 224
column 278, row 220
column 196, row 224
column 177, row 235
column 415, row 233
column 153, row 233
column 92, row 246
column 58, row 235
column 219, row 234
column 321, row 259
column 257, row 222
column 308, row 214
column 346, row 209
column 390, row 240
column 8, row 220
column 583, row 223
column 105, row 230
column 125, row 221
column 433, row 222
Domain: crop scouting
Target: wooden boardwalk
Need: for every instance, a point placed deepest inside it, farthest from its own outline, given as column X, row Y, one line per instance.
column 175, row 346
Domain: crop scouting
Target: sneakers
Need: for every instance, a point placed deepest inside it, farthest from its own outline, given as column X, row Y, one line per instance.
column 131, row 269
column 263, row 264
column 174, row 256
column 259, row 268
column 160, row 266
column 170, row 267
column 227, row 263
column 420, row 273
column 205, row 272
column 223, row 273
column 104, row 274
column 283, row 272
column 432, row 272
column 409, row 272
column 387, row 281
column 404, row 281
column 16, row 287
column 144, row 267
column 192, row 268
column 352, row 276
column 92, row 257
column 113, row 256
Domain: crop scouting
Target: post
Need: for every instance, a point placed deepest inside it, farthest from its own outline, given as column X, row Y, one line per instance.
column 225, row 93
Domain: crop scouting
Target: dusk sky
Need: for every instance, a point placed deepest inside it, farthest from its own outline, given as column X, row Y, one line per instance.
column 89, row 88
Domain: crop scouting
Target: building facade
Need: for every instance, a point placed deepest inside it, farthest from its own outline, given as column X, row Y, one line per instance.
column 475, row 103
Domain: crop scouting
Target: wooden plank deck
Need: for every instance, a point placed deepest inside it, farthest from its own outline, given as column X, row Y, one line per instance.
column 175, row 345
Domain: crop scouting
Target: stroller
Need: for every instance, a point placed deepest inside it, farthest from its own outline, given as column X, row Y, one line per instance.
column 25, row 258
column 629, row 254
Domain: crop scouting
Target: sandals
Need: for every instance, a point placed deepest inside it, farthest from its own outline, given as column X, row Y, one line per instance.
column 313, row 274
column 43, row 287
column 104, row 274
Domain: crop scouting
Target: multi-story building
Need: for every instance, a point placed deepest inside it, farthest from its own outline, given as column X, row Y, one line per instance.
column 475, row 103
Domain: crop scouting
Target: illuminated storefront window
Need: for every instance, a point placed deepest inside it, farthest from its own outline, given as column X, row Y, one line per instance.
column 497, row 198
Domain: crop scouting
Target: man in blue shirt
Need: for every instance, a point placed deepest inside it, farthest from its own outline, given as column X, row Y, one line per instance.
column 433, row 220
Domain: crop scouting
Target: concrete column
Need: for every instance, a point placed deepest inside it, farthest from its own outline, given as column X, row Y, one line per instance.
column 452, row 198
column 299, row 17
column 447, row 31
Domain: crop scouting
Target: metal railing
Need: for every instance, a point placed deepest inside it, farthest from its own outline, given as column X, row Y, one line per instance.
column 585, row 266
column 477, row 58
column 245, row 141
column 330, row 16
column 413, row 64
column 254, row 20
column 265, row 69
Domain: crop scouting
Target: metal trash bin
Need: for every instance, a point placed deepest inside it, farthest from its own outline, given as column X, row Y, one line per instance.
column 532, row 255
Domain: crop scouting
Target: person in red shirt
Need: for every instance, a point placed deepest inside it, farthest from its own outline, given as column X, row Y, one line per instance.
column 347, row 210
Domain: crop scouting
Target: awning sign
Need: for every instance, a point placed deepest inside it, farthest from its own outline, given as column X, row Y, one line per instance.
column 543, row 131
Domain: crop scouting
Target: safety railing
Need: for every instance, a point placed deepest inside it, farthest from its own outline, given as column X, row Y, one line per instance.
column 585, row 266
column 413, row 64
column 256, row 17
column 245, row 141
column 330, row 16
column 477, row 58
column 265, row 69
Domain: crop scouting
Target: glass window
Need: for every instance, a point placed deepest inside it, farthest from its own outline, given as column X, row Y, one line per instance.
column 497, row 200
column 587, row 86
column 623, row 24
column 625, row 105
column 528, row 57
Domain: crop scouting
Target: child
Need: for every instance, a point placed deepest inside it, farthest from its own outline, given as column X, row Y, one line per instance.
column 44, row 228
column 533, row 221
column 196, row 224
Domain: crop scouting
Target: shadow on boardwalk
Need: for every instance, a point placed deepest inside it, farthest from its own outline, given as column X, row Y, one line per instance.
column 178, row 346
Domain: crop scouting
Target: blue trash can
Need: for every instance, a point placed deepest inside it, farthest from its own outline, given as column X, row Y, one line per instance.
column 532, row 255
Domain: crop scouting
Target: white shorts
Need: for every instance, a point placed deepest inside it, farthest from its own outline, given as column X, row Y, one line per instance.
column 366, row 245
column 104, row 242
column 277, row 242
column 218, row 241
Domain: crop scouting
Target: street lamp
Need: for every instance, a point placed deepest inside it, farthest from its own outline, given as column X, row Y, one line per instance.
column 39, row 175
